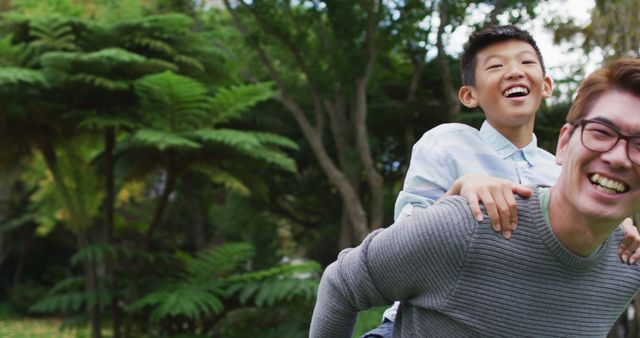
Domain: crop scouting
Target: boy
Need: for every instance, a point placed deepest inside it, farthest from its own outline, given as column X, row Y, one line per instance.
column 504, row 75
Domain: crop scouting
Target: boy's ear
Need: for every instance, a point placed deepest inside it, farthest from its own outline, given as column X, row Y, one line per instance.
column 547, row 87
column 563, row 142
column 467, row 96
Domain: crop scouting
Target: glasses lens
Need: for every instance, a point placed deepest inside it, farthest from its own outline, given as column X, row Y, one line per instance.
column 598, row 137
column 634, row 150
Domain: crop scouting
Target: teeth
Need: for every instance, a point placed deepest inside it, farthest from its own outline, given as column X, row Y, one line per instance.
column 607, row 184
column 514, row 90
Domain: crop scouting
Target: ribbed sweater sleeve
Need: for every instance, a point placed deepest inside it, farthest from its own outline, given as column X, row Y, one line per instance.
column 415, row 258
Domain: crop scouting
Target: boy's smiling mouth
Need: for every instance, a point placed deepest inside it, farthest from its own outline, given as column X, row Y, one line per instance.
column 608, row 185
column 517, row 91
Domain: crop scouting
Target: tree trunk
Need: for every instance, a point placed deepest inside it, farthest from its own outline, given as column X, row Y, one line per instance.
column 110, row 201
column 450, row 95
column 91, row 285
column 197, row 222
column 27, row 239
column 160, row 208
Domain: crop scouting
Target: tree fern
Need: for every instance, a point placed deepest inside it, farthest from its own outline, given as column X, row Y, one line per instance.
column 68, row 296
column 222, row 177
column 12, row 77
column 230, row 102
column 192, row 300
column 172, row 102
column 218, row 261
column 52, row 33
column 162, row 140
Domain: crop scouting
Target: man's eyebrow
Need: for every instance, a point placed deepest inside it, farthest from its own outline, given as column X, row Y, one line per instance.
column 614, row 125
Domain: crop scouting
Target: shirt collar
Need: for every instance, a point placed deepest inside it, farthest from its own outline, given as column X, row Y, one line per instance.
column 505, row 148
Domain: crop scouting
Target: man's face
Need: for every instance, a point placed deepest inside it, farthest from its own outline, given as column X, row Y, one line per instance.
column 509, row 85
column 602, row 185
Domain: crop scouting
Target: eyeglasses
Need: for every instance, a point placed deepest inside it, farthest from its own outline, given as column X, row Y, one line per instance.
column 600, row 136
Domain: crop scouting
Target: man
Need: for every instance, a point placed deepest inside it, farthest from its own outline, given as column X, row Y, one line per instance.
column 559, row 275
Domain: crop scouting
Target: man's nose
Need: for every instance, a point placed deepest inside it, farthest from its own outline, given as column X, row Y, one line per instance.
column 617, row 156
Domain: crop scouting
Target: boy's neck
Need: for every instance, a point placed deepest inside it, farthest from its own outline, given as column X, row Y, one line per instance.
column 520, row 136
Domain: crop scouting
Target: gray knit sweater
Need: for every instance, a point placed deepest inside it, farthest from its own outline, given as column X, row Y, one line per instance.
column 458, row 278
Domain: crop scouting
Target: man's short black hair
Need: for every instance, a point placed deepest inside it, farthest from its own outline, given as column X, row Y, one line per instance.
column 482, row 39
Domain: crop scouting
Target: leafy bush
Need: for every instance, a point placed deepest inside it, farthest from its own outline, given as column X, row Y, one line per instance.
column 23, row 296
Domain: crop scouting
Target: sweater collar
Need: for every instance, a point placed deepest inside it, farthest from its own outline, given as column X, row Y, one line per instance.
column 559, row 251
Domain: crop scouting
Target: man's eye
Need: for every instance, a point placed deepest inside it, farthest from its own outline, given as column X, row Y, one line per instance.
column 600, row 132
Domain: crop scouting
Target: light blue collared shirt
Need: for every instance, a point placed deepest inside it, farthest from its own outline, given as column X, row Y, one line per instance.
column 450, row 151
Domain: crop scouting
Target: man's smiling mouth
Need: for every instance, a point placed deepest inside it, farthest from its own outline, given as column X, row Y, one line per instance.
column 608, row 185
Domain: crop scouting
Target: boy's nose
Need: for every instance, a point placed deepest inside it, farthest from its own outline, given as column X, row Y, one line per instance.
column 514, row 72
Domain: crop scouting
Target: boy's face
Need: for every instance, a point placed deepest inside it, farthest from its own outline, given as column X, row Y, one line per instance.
column 509, row 85
column 602, row 185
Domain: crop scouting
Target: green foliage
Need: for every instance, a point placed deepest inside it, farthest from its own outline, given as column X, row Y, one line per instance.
column 191, row 300
column 216, row 274
column 68, row 296
column 12, row 77
column 230, row 102
column 23, row 296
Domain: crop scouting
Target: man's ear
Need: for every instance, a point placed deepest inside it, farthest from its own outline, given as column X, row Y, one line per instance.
column 547, row 87
column 467, row 96
column 563, row 143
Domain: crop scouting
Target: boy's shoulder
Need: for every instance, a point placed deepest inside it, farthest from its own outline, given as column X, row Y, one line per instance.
column 449, row 131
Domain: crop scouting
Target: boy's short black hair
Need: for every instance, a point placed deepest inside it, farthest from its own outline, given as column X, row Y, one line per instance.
column 482, row 39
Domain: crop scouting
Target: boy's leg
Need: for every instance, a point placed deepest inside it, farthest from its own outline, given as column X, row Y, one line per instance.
column 385, row 330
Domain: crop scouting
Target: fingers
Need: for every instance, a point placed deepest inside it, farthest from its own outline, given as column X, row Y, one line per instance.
column 522, row 190
column 475, row 208
column 628, row 248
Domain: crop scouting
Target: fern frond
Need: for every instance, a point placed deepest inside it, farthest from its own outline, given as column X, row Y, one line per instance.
column 192, row 300
column 172, row 102
column 100, row 82
column 101, row 122
column 160, row 65
column 277, row 140
column 280, row 283
column 152, row 44
column 60, row 303
column 229, row 103
column 219, row 176
column 75, row 283
column 189, row 61
column 162, row 140
column 95, row 253
column 249, row 144
column 11, row 76
column 219, row 260
column 104, row 59
column 15, row 223
column 52, row 33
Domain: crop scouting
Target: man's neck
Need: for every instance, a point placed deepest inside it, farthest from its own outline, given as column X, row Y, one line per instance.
column 579, row 233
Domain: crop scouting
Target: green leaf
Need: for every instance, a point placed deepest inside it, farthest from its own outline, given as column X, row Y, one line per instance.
column 229, row 103
column 162, row 140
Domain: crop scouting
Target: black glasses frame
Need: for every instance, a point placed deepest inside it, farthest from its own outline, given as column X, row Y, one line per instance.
column 583, row 122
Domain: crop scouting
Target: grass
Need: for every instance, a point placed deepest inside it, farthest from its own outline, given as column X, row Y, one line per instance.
column 38, row 328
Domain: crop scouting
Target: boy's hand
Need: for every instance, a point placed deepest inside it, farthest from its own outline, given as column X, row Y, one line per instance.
column 497, row 195
column 628, row 249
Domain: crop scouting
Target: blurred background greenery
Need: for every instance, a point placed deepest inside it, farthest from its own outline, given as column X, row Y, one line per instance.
column 183, row 168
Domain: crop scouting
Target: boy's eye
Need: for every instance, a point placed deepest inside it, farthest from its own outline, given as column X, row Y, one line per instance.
column 494, row 66
column 528, row 62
